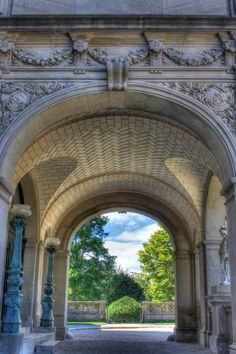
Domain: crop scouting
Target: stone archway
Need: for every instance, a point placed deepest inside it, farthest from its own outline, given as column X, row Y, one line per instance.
column 83, row 143
column 185, row 283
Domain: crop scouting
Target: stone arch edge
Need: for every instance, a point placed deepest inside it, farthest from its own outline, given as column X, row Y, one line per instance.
column 207, row 116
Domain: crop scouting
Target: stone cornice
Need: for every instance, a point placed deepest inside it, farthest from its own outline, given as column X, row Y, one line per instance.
column 117, row 22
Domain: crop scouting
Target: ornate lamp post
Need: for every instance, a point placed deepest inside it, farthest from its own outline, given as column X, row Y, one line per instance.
column 13, row 297
column 47, row 319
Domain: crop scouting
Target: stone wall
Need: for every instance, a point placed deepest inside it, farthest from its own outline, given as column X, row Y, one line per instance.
column 86, row 311
column 111, row 7
column 158, row 311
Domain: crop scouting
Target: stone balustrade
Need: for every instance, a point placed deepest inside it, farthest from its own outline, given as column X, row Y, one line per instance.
column 82, row 311
column 158, row 311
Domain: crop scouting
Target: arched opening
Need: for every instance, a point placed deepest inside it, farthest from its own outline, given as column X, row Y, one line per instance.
column 109, row 262
column 147, row 150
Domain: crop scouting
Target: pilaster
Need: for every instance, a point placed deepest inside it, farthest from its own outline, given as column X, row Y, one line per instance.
column 229, row 192
column 61, row 264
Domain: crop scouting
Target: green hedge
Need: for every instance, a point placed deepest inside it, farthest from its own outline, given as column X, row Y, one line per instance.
column 124, row 310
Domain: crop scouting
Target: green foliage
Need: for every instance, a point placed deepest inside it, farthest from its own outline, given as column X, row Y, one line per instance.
column 91, row 266
column 124, row 310
column 123, row 284
column 157, row 263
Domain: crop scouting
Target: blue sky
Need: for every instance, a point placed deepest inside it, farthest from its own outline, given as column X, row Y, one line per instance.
column 127, row 232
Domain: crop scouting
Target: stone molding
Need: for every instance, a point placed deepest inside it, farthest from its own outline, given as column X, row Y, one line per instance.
column 6, row 191
column 229, row 190
column 16, row 97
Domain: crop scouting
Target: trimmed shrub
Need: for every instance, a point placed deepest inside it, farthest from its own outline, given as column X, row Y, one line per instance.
column 124, row 310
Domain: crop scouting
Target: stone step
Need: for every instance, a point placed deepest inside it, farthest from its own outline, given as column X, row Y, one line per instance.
column 33, row 340
column 47, row 347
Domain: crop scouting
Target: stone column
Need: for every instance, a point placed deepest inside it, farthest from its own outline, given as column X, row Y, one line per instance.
column 214, row 271
column 61, row 267
column 30, row 256
column 229, row 192
column 5, row 200
column 185, row 303
column 200, row 271
column 38, row 284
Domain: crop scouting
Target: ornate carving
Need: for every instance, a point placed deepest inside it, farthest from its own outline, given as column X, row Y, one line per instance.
column 133, row 57
column 78, row 55
column 5, row 53
column 218, row 97
column 15, row 97
column 156, row 52
column 117, row 71
column 229, row 48
column 80, row 49
column 207, row 57
column 33, row 59
column 224, row 254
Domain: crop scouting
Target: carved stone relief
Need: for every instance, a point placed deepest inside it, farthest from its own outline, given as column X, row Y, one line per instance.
column 16, row 97
column 81, row 55
column 218, row 97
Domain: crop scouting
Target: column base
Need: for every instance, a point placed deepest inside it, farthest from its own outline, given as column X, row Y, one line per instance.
column 232, row 348
column 11, row 342
column 44, row 329
column 61, row 333
column 186, row 335
column 219, row 344
column 203, row 337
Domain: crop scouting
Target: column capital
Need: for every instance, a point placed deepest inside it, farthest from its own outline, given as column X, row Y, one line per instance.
column 63, row 254
column 229, row 190
column 181, row 254
column 6, row 191
column 213, row 244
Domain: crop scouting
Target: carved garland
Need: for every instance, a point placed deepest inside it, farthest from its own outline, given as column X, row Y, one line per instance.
column 155, row 52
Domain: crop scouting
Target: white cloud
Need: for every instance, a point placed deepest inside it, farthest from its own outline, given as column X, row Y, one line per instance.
column 126, row 245
column 127, row 219
column 140, row 235
column 126, row 254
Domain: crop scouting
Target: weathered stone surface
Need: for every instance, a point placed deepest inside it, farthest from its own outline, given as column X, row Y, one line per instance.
column 98, row 7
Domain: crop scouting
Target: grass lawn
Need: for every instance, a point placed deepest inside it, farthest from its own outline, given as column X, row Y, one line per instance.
column 88, row 323
column 102, row 323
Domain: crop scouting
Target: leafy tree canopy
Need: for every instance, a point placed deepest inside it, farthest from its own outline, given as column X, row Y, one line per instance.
column 91, row 266
column 157, row 264
column 124, row 284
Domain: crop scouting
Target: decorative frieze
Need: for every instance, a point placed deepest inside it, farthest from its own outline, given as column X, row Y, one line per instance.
column 16, row 97
column 218, row 97
column 81, row 54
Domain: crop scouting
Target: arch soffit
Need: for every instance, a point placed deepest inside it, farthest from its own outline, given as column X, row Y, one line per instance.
column 142, row 97
column 105, row 185
column 115, row 201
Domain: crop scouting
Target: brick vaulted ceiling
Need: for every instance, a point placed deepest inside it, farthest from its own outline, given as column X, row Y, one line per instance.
column 117, row 153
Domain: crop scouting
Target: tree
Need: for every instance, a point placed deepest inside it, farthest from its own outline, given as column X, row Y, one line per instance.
column 91, row 266
column 157, row 264
column 123, row 284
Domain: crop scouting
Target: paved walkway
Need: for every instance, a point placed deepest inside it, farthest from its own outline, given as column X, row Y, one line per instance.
column 125, row 341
